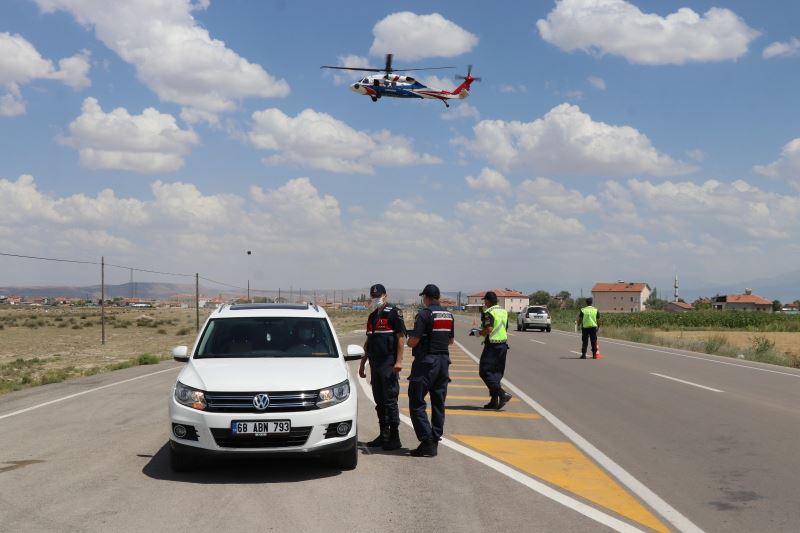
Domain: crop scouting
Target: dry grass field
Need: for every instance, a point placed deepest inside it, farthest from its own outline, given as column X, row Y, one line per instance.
column 787, row 343
column 45, row 345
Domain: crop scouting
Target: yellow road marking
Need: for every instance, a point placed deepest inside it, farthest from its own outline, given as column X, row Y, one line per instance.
column 464, row 378
column 464, row 371
column 449, row 411
column 564, row 465
column 463, row 386
column 477, row 398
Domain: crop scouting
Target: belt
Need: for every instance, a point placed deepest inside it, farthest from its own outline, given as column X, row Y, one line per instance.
column 499, row 342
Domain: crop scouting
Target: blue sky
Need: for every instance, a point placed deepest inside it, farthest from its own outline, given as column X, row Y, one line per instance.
column 608, row 140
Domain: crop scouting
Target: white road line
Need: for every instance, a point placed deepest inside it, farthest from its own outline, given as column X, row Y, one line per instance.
column 686, row 382
column 532, row 483
column 645, row 347
column 540, row 342
column 637, row 487
column 7, row 415
column 576, row 353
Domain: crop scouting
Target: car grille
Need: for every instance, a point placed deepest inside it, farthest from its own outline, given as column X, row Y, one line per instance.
column 242, row 402
column 297, row 437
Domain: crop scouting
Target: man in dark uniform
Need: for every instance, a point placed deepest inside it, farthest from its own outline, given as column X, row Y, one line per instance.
column 386, row 335
column 434, row 332
column 494, row 336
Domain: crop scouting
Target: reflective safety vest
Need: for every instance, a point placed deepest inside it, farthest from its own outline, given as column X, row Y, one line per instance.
column 500, row 325
column 589, row 316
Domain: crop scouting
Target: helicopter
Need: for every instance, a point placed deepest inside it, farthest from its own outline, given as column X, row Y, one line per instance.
column 393, row 85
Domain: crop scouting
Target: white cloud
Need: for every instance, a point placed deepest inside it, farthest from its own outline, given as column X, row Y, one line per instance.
column 787, row 165
column 21, row 63
column 437, row 82
column 185, row 203
column 696, row 155
column 173, row 55
column 150, row 142
column 12, row 103
column 597, row 83
column 300, row 205
column 318, row 140
column 351, row 61
column 557, row 198
column 511, row 89
column 489, row 180
column 459, row 111
column 620, row 28
column 779, row 49
column 566, row 141
column 410, row 37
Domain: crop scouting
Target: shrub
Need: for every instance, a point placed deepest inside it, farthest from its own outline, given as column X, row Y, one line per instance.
column 184, row 331
column 77, row 326
column 162, row 331
column 760, row 344
column 714, row 343
column 148, row 359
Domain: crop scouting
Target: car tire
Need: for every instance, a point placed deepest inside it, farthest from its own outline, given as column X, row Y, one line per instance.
column 548, row 329
column 518, row 327
column 180, row 462
column 524, row 327
column 347, row 459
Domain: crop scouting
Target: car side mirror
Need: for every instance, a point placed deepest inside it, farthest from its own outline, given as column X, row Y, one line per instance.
column 473, row 332
column 180, row 353
column 354, row 352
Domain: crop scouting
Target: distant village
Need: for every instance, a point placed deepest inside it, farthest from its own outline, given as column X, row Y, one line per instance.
column 608, row 297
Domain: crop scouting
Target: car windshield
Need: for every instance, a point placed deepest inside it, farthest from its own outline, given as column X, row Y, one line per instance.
column 266, row 337
column 538, row 310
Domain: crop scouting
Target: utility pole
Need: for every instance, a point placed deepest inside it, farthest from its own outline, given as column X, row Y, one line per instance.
column 102, row 299
column 248, row 292
column 197, row 301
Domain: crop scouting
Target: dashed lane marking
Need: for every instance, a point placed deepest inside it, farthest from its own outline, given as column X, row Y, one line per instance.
column 540, row 342
column 565, row 466
column 686, row 382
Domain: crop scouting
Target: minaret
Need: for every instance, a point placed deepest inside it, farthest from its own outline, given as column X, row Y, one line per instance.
column 675, row 297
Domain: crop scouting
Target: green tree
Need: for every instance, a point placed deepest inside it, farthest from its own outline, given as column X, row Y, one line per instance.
column 701, row 304
column 539, row 297
column 776, row 305
column 654, row 303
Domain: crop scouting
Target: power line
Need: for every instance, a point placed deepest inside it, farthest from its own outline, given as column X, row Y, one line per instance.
column 150, row 271
column 50, row 259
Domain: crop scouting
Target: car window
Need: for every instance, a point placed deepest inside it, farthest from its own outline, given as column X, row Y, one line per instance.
column 538, row 310
column 266, row 337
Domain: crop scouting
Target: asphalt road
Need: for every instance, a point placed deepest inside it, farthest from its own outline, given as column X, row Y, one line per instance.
column 725, row 455
column 95, row 459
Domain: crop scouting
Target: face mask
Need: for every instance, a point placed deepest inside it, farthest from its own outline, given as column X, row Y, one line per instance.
column 376, row 303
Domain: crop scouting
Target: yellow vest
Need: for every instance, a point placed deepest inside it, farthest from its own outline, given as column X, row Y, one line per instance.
column 499, row 333
column 589, row 316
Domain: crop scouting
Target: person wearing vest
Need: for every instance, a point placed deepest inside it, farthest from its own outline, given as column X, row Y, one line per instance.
column 588, row 320
column 386, row 333
column 494, row 337
column 430, row 340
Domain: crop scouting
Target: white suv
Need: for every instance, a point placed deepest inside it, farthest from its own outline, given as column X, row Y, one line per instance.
column 265, row 379
column 534, row 317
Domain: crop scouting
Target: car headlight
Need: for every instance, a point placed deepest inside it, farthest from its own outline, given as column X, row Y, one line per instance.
column 333, row 395
column 189, row 397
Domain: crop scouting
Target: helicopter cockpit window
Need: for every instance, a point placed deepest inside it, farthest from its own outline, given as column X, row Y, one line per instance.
column 409, row 79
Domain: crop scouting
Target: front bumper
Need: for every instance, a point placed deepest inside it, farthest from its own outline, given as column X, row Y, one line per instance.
column 315, row 421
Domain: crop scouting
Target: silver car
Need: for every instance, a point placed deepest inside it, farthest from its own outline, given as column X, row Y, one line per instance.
column 534, row 317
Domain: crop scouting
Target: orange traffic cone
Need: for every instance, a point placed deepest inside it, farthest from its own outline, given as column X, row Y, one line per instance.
column 598, row 355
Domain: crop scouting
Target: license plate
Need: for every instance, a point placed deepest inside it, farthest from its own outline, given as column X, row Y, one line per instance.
column 260, row 428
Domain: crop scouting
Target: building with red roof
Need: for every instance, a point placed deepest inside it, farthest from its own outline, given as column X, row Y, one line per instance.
column 620, row 296
column 747, row 302
column 511, row 301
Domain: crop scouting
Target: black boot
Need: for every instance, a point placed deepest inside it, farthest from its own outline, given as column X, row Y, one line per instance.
column 393, row 442
column 492, row 404
column 503, row 399
column 426, row 448
column 380, row 440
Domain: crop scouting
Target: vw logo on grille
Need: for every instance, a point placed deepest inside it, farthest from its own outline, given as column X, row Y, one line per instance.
column 261, row 401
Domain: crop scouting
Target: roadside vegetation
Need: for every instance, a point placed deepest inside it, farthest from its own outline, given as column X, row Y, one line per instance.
column 41, row 345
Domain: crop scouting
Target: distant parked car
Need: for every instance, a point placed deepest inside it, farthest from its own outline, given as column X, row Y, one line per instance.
column 534, row 317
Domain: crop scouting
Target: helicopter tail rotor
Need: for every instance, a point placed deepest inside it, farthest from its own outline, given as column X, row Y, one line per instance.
column 469, row 77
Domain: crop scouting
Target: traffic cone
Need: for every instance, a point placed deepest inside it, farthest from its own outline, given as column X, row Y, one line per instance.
column 598, row 355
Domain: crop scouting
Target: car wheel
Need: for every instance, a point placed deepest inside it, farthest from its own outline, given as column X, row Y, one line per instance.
column 548, row 329
column 518, row 328
column 180, row 462
column 347, row 459
column 524, row 327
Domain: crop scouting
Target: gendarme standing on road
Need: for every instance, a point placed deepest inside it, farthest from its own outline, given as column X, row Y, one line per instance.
column 386, row 334
column 589, row 320
column 494, row 336
column 430, row 340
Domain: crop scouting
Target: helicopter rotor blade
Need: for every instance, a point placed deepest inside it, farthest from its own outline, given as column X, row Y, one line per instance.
column 429, row 68
column 388, row 67
column 354, row 68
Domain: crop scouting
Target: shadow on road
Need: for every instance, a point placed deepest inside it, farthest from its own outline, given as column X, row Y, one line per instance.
column 219, row 470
